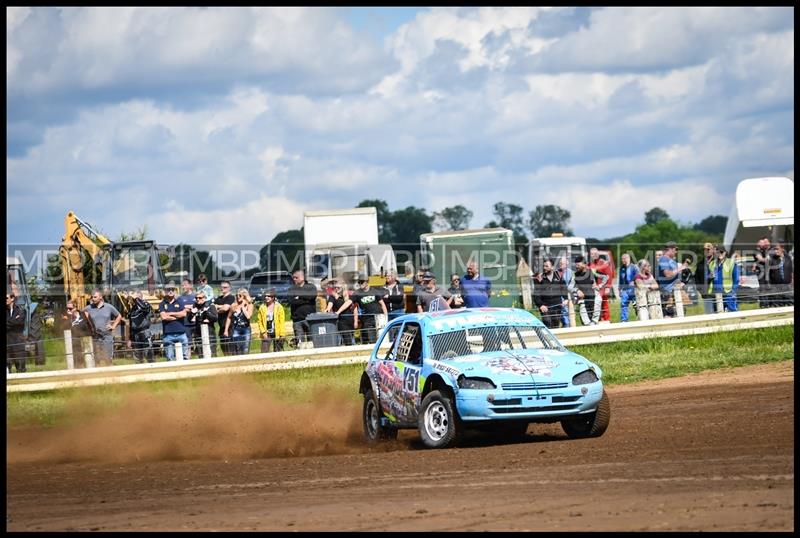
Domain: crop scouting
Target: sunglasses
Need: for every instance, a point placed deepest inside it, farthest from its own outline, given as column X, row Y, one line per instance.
column 70, row 309
column 200, row 297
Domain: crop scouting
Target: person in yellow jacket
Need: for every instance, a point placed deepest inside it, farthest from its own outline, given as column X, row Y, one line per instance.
column 724, row 279
column 271, row 322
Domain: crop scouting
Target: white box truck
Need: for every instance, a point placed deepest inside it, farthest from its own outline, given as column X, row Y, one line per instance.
column 343, row 243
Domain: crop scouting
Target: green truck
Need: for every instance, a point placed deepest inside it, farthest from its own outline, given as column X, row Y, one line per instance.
column 447, row 253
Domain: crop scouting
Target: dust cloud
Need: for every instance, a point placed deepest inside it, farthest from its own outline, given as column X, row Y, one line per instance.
column 229, row 419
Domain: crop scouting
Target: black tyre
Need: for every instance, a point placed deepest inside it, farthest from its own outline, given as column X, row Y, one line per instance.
column 35, row 335
column 591, row 425
column 374, row 431
column 439, row 423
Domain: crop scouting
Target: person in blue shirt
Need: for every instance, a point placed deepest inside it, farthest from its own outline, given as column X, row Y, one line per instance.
column 475, row 290
column 668, row 273
column 627, row 291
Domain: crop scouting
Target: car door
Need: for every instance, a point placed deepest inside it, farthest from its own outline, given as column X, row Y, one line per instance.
column 396, row 372
column 408, row 366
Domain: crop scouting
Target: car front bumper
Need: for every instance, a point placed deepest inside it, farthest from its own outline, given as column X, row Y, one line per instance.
column 498, row 404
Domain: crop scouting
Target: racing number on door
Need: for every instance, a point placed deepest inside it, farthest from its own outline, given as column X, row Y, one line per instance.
column 411, row 379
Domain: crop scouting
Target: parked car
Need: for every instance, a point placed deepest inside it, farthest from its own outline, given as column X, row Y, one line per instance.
column 494, row 369
column 260, row 282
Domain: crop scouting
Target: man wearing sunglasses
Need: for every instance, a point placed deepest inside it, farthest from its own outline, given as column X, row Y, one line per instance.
column 172, row 314
column 15, row 335
column 203, row 312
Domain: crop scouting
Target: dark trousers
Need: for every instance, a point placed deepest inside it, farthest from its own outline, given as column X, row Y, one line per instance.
column 368, row 332
column 142, row 346
column 277, row 344
column 301, row 330
column 225, row 343
column 346, row 330
column 552, row 318
column 16, row 354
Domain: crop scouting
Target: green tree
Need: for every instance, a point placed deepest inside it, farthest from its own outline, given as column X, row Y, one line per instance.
column 454, row 218
column 647, row 238
column 510, row 216
column 284, row 252
column 655, row 215
column 712, row 224
column 407, row 225
column 547, row 219
column 385, row 233
column 138, row 235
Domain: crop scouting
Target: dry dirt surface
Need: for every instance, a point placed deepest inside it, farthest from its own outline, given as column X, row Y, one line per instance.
column 706, row 452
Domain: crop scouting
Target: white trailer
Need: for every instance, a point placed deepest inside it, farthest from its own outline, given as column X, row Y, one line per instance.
column 343, row 243
column 763, row 206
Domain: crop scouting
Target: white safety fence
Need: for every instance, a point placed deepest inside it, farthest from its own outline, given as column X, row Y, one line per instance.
column 313, row 358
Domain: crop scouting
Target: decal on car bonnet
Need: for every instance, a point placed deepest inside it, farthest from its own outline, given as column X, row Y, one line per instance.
column 455, row 372
column 522, row 365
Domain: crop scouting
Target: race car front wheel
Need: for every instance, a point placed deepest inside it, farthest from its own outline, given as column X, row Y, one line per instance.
column 591, row 425
column 439, row 424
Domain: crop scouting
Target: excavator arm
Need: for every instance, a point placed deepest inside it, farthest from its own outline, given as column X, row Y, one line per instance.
column 81, row 243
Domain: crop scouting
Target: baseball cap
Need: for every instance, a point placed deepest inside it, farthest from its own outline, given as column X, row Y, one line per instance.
column 671, row 244
column 171, row 285
column 427, row 275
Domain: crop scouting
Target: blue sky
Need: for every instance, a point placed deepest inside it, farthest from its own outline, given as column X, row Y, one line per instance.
column 222, row 125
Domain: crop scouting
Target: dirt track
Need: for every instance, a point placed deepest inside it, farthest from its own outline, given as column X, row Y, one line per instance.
column 712, row 451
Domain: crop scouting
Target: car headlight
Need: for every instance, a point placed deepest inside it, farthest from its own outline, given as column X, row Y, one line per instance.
column 585, row 377
column 477, row 383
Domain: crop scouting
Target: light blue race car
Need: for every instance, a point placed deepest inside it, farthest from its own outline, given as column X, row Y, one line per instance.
column 492, row 369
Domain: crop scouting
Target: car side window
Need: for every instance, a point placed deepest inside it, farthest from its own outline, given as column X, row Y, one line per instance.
column 390, row 337
column 409, row 348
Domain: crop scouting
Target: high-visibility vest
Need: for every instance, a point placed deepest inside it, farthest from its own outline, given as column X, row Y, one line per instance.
column 727, row 275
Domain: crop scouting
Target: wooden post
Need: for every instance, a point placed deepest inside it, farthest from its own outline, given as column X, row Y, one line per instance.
column 641, row 304
column 720, row 305
column 178, row 351
column 88, row 351
column 571, row 312
column 205, row 340
column 68, row 349
column 678, row 302
column 525, row 284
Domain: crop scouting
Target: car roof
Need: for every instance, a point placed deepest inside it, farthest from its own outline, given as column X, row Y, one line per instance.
column 447, row 320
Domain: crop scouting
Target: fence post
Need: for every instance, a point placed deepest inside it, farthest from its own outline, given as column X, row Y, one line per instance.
column 571, row 312
column 88, row 351
column 678, row 302
column 720, row 306
column 205, row 340
column 525, row 284
column 178, row 351
column 68, row 349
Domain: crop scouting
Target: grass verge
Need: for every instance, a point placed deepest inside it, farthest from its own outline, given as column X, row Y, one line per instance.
column 622, row 362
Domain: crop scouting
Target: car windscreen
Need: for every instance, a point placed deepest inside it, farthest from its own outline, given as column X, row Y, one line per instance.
column 474, row 340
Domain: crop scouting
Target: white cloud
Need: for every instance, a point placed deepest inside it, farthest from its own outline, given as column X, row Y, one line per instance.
column 274, row 111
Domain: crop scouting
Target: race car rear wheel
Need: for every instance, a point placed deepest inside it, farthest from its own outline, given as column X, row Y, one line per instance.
column 591, row 425
column 374, row 430
column 439, row 423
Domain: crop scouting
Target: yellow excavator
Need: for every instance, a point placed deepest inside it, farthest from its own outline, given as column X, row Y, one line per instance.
column 90, row 260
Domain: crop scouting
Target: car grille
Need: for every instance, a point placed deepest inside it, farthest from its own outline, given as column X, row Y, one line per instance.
column 533, row 386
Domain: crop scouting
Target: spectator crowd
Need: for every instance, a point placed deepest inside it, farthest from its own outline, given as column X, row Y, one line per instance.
column 563, row 294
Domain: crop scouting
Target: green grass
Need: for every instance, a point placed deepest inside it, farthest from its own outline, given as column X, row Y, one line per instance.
column 622, row 362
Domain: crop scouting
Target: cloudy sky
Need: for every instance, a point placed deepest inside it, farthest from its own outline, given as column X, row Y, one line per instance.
column 218, row 126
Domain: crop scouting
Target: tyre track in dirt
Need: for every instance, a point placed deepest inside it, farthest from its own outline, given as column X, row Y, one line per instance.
column 711, row 451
